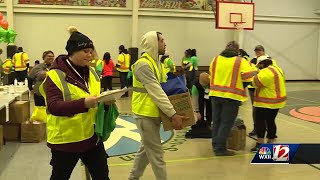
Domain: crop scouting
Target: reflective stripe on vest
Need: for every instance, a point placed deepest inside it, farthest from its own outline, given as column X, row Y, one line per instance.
column 22, row 64
column 248, row 75
column 232, row 88
column 142, row 104
column 257, row 81
column 66, row 92
column 76, row 128
column 94, row 74
column 278, row 98
column 140, row 90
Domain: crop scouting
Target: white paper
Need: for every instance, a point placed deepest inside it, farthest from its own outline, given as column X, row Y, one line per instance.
column 112, row 95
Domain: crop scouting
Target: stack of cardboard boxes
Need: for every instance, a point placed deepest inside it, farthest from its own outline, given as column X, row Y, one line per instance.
column 17, row 128
column 19, row 112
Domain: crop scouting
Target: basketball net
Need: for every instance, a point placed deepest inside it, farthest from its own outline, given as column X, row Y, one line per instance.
column 238, row 26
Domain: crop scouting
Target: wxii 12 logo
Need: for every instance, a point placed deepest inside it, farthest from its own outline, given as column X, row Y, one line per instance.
column 274, row 154
column 281, row 153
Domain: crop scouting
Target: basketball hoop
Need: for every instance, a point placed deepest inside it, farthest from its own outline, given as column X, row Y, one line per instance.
column 238, row 25
column 234, row 14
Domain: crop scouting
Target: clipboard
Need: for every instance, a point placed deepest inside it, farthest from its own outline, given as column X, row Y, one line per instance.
column 112, row 94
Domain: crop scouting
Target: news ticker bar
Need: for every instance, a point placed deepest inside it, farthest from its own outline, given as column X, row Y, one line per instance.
column 287, row 154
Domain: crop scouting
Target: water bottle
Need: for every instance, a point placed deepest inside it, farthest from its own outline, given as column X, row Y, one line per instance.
column 15, row 84
column 26, row 82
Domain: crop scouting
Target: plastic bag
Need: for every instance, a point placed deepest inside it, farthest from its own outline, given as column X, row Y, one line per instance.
column 39, row 114
column 106, row 121
column 174, row 85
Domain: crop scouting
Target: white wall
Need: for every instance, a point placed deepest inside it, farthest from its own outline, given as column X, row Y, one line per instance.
column 291, row 36
column 184, row 33
column 302, row 8
column 293, row 45
column 40, row 32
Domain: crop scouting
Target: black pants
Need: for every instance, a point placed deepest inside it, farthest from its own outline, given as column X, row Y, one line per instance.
column 208, row 115
column 265, row 116
column 95, row 160
column 21, row 75
column 190, row 77
column 39, row 100
column 251, row 94
column 106, row 83
column 124, row 81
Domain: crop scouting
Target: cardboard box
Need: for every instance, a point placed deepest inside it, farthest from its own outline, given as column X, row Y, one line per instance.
column 19, row 111
column 1, row 137
column 182, row 104
column 33, row 132
column 12, row 131
column 237, row 138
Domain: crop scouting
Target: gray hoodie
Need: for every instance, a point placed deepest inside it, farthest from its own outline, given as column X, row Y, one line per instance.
column 144, row 74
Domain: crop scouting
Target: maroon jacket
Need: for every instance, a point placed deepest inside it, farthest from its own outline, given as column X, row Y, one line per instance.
column 58, row 107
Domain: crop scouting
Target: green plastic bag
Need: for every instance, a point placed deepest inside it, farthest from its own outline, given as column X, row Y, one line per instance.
column 106, row 121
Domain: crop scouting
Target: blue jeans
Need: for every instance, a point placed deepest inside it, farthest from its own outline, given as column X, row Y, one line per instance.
column 224, row 113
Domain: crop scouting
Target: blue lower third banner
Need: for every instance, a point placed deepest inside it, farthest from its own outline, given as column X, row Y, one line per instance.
column 287, row 154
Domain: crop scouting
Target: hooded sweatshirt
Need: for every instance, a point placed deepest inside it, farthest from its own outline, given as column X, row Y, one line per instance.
column 146, row 76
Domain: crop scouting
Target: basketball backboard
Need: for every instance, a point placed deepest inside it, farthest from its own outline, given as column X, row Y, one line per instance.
column 234, row 15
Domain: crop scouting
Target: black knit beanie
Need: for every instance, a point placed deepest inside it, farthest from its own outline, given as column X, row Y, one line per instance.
column 77, row 41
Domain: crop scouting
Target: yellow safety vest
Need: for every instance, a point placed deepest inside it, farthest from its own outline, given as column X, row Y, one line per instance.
column 62, row 129
column 166, row 66
column 124, row 65
column 142, row 103
column 227, row 76
column 6, row 66
column 186, row 62
column 270, row 88
column 20, row 61
column 254, row 67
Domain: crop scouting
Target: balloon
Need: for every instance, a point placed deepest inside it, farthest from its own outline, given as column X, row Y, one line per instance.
column 4, row 24
column 1, row 16
column 11, row 35
column 3, row 34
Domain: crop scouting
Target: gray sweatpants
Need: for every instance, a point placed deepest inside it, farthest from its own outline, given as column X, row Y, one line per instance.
column 150, row 149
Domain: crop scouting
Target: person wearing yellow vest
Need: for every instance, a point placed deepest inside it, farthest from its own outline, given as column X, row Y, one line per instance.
column 188, row 68
column 169, row 66
column 228, row 74
column 270, row 95
column 71, row 91
column 259, row 51
column 20, row 61
column 147, row 100
column 7, row 70
column 123, row 66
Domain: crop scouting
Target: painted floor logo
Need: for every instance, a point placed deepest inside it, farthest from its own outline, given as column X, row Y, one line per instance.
column 125, row 139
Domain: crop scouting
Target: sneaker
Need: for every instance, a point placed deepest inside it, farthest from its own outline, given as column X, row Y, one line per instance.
column 225, row 153
column 188, row 135
column 253, row 133
column 255, row 148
